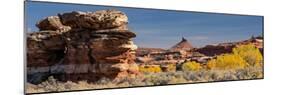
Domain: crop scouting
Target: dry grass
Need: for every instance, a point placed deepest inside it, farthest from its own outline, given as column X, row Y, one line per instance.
column 149, row 79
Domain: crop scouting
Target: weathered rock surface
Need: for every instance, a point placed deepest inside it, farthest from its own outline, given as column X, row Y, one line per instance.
column 212, row 50
column 82, row 46
column 104, row 19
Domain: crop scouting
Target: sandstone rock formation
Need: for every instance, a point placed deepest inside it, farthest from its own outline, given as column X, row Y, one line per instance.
column 212, row 50
column 82, row 46
column 183, row 45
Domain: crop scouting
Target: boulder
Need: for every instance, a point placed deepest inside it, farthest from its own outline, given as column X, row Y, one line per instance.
column 52, row 23
column 104, row 19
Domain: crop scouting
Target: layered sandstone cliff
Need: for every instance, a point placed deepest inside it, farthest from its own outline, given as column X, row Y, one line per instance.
column 82, row 46
column 222, row 48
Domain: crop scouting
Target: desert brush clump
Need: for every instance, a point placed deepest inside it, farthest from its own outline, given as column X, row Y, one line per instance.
column 191, row 66
column 148, row 79
column 169, row 67
column 150, row 69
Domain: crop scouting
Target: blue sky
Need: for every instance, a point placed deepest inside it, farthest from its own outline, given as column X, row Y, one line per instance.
column 163, row 28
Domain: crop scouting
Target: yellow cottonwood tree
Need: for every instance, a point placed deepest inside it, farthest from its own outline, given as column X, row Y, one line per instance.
column 249, row 53
column 191, row 66
column 227, row 61
column 150, row 69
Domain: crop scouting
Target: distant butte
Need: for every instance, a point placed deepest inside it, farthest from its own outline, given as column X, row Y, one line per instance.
column 184, row 44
